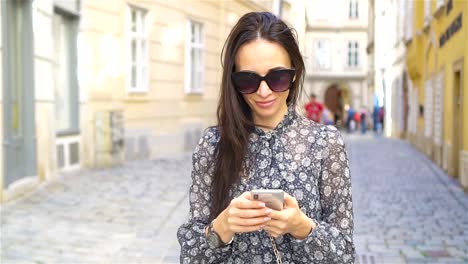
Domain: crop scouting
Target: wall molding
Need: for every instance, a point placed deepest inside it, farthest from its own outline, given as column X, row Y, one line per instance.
column 446, row 150
column 464, row 169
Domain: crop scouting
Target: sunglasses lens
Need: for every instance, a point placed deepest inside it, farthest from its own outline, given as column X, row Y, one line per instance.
column 280, row 81
column 246, row 82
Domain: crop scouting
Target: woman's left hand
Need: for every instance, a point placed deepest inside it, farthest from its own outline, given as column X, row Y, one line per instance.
column 290, row 220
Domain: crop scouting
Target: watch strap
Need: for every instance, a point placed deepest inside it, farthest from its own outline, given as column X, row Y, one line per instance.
column 212, row 231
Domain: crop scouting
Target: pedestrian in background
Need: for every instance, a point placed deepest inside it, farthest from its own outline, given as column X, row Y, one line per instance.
column 363, row 120
column 327, row 117
column 382, row 117
column 357, row 119
column 375, row 117
column 350, row 123
column 314, row 109
column 261, row 142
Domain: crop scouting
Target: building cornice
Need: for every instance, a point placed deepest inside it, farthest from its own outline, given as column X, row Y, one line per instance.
column 316, row 77
column 334, row 29
column 253, row 5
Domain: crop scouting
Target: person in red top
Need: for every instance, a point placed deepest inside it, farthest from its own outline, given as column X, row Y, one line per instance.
column 314, row 109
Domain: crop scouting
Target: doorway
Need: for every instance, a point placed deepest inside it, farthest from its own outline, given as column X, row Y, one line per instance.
column 405, row 106
column 335, row 99
column 18, row 91
column 457, row 141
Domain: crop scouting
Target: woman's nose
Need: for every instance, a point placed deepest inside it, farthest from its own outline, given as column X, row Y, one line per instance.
column 263, row 89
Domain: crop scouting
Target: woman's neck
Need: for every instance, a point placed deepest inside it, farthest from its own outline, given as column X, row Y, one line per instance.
column 270, row 122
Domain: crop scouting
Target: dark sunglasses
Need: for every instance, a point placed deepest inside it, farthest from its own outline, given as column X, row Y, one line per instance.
column 247, row 82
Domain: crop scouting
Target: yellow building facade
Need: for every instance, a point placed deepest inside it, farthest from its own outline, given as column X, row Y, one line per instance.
column 437, row 65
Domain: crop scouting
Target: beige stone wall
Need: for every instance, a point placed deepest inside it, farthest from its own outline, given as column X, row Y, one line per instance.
column 294, row 14
column 165, row 119
column 161, row 121
column 44, row 89
column 101, row 65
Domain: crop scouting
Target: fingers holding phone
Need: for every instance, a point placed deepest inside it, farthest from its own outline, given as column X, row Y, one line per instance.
column 246, row 215
column 290, row 220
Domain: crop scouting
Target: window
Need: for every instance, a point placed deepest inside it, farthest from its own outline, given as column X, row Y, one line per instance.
column 400, row 20
column 440, row 3
column 194, row 58
column 413, row 108
column 138, row 72
column 449, row 7
column 353, row 54
column 353, row 9
column 438, row 108
column 65, row 86
column 427, row 11
column 409, row 20
column 322, row 54
column 428, row 103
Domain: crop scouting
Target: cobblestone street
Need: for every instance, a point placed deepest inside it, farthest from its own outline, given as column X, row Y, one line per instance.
column 406, row 211
column 127, row 214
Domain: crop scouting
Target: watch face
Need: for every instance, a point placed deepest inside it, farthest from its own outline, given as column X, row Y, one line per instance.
column 213, row 240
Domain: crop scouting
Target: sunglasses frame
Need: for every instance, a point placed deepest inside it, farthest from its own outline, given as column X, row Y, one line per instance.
column 291, row 72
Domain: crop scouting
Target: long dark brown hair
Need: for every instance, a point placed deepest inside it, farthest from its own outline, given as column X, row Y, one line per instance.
column 235, row 120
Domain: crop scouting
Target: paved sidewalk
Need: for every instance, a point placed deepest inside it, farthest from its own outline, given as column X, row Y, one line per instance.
column 127, row 214
column 406, row 211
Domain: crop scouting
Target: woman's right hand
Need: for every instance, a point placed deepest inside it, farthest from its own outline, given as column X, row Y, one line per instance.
column 242, row 215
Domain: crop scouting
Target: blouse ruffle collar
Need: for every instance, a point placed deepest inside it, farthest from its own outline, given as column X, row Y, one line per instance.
column 282, row 126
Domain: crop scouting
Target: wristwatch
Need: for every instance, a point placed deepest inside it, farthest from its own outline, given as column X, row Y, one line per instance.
column 213, row 239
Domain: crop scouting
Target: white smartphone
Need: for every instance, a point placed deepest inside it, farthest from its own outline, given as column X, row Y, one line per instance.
column 273, row 198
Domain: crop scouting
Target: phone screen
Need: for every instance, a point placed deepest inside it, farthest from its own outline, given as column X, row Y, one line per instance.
column 273, row 198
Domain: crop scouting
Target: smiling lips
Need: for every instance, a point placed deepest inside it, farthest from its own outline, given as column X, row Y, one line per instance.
column 265, row 104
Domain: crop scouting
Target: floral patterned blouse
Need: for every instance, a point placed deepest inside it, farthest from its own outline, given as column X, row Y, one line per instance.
column 303, row 158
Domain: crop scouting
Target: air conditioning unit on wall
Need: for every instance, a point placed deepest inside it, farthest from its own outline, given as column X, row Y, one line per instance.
column 68, row 152
column 108, row 138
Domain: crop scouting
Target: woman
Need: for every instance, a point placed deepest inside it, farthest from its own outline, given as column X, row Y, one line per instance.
column 260, row 142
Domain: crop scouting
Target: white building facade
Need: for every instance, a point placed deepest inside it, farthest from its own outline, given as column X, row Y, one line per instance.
column 336, row 59
column 398, row 117
column 390, row 74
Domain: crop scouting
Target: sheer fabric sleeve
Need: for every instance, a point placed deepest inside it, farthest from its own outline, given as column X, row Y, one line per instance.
column 191, row 234
column 332, row 240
